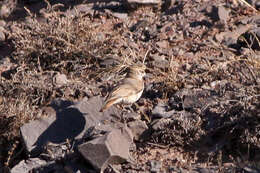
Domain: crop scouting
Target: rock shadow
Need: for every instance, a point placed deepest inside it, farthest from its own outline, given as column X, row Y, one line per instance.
column 69, row 123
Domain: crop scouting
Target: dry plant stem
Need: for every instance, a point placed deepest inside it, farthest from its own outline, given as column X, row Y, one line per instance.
column 146, row 54
column 10, row 154
column 250, row 6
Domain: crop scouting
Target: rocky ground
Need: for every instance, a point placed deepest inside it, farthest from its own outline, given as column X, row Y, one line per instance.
column 200, row 110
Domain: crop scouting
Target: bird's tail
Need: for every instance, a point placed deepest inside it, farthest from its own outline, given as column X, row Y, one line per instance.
column 108, row 104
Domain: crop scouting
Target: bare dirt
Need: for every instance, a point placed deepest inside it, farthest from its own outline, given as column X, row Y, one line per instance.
column 202, row 61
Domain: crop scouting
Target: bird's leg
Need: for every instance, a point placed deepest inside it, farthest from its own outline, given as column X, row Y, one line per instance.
column 136, row 106
column 122, row 117
column 128, row 108
column 119, row 106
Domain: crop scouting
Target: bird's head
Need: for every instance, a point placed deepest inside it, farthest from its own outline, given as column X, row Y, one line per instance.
column 137, row 71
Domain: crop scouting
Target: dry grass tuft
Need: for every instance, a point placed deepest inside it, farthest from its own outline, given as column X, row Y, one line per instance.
column 63, row 44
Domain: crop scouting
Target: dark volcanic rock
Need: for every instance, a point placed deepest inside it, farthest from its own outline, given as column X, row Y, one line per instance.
column 113, row 147
column 196, row 98
column 138, row 128
column 70, row 122
column 230, row 37
column 161, row 111
column 223, row 13
column 81, row 121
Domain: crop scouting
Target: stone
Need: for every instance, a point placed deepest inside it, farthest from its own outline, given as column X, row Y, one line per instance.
column 161, row 111
column 132, row 116
column 108, row 62
column 160, row 124
column 164, row 44
column 160, row 61
column 230, row 37
column 139, row 25
column 223, row 14
column 138, row 128
column 111, row 148
column 198, row 98
column 120, row 15
column 82, row 8
column 28, row 165
column 70, row 121
column 117, row 14
column 186, row 99
column 133, row 4
column 60, row 79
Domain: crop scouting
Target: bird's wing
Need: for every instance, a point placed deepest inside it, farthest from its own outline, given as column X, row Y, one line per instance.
column 128, row 87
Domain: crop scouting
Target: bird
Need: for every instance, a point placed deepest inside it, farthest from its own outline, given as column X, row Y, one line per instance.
column 129, row 90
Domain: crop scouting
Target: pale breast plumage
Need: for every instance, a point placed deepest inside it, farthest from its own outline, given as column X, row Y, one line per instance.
column 129, row 91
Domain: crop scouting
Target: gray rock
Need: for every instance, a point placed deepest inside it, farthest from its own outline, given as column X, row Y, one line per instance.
column 69, row 122
column 223, row 13
column 108, row 62
column 194, row 98
column 82, row 8
column 230, row 37
column 204, row 170
column 161, row 111
column 112, row 148
column 164, row 44
column 160, row 124
column 138, row 128
column 116, row 14
column 198, row 99
column 132, row 116
column 120, row 15
column 60, row 79
column 160, row 61
column 28, row 165
column 133, row 4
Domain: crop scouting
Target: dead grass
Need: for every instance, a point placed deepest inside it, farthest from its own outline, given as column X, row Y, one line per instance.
column 64, row 44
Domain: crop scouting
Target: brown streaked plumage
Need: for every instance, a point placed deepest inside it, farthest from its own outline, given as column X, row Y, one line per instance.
column 130, row 90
